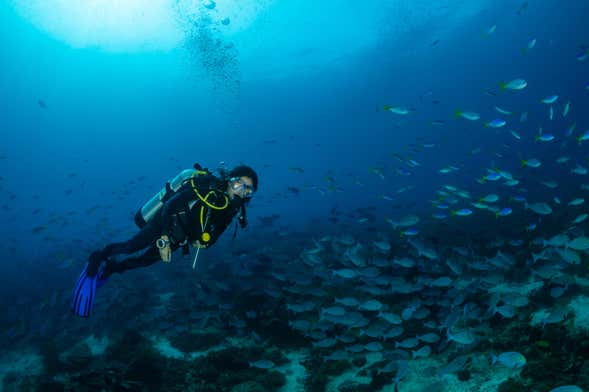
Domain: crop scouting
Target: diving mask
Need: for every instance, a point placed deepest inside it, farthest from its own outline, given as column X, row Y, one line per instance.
column 241, row 188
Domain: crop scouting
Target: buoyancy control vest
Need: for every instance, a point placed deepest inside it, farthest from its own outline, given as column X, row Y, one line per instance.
column 154, row 205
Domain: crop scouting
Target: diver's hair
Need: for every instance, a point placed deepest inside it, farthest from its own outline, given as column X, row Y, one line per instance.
column 245, row 171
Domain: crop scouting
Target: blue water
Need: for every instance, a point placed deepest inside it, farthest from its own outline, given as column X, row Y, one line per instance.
column 90, row 132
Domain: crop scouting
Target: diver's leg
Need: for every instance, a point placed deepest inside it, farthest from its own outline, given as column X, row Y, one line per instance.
column 144, row 238
column 141, row 240
column 149, row 257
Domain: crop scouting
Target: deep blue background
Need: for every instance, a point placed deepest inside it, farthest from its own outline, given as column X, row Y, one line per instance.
column 112, row 118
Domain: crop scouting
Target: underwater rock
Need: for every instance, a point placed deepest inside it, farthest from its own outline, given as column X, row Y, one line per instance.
column 281, row 333
column 359, row 361
column 230, row 359
column 354, row 386
column 88, row 381
column 512, row 385
column 50, row 353
column 558, row 358
column 147, row 366
column 205, row 371
column 11, row 381
column 133, row 356
column 319, row 371
column 336, row 368
column 316, row 382
column 580, row 307
column 195, row 341
column 248, row 386
column 584, row 374
column 78, row 358
column 229, row 368
column 49, row 386
column 379, row 380
column 463, row 374
column 272, row 380
column 276, row 356
column 123, row 348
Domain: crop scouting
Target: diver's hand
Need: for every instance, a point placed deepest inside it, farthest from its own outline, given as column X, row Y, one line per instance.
column 166, row 254
column 197, row 244
column 166, row 250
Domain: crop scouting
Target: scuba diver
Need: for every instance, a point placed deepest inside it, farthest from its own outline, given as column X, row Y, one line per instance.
column 194, row 209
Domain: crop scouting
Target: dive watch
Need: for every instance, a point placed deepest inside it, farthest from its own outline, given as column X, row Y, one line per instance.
column 161, row 243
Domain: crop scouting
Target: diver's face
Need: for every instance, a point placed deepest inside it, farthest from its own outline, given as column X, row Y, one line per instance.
column 242, row 187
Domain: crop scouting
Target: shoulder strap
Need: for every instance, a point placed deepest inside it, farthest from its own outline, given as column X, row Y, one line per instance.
column 204, row 187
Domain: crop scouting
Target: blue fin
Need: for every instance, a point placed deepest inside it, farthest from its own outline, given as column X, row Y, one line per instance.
column 83, row 299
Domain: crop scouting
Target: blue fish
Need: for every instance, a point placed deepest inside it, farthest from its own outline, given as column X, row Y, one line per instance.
column 567, row 388
column 582, row 55
column 546, row 137
column 570, row 129
column 496, row 123
column 462, row 212
column 410, row 232
column 494, row 176
column 511, row 359
column 583, row 137
column 504, row 212
column 549, row 100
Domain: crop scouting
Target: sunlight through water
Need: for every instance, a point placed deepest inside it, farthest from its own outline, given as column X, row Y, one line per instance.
column 130, row 25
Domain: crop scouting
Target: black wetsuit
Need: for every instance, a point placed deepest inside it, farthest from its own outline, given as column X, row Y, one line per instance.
column 179, row 219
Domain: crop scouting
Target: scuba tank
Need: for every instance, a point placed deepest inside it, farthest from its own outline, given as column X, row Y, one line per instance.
column 149, row 209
